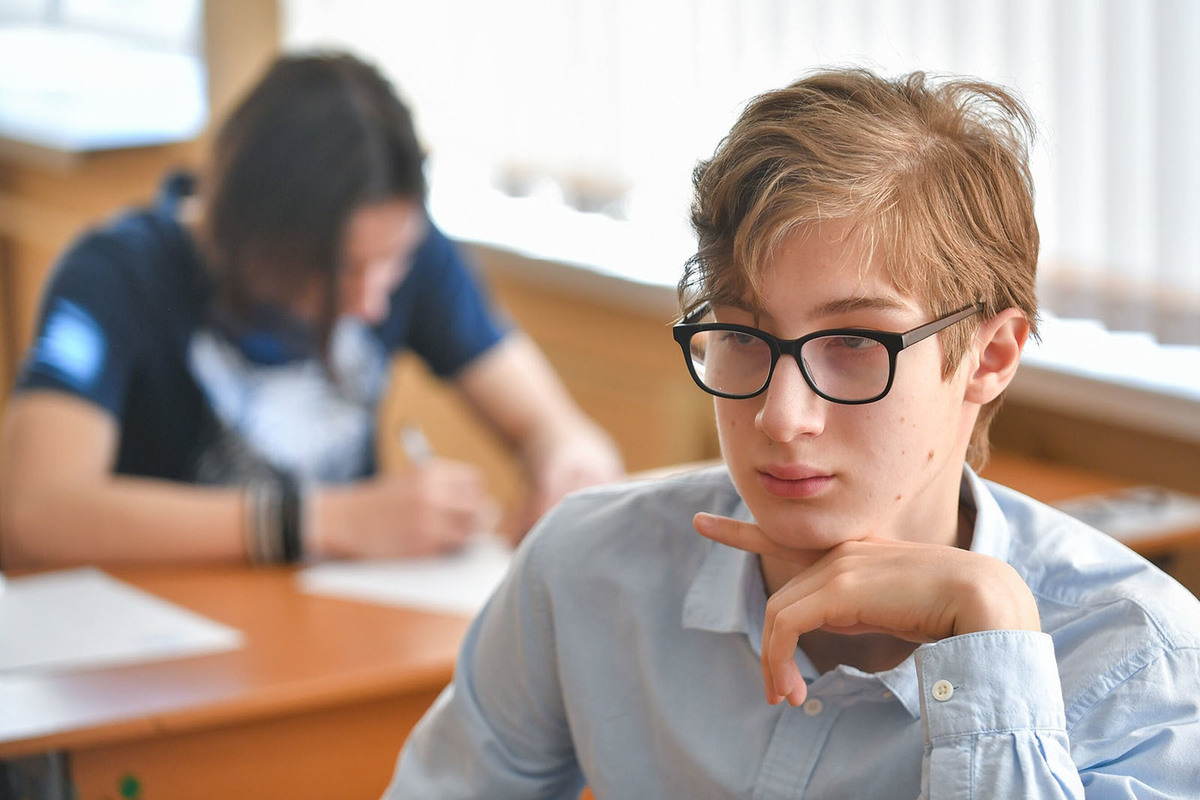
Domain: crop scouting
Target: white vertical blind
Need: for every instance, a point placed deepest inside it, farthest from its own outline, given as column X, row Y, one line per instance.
column 607, row 105
column 82, row 75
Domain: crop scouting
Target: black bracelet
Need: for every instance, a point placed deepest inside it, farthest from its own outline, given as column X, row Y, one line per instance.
column 263, row 535
column 289, row 518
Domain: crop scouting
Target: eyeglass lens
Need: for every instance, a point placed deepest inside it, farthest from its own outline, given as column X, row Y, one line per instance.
column 843, row 367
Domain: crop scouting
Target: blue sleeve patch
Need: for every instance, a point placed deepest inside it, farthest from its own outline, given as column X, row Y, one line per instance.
column 72, row 346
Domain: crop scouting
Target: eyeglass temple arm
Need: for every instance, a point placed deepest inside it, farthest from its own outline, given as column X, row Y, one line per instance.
column 930, row 328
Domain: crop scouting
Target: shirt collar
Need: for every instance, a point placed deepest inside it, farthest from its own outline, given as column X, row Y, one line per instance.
column 992, row 535
column 727, row 595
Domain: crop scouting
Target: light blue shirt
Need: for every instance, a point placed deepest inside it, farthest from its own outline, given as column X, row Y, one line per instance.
column 622, row 651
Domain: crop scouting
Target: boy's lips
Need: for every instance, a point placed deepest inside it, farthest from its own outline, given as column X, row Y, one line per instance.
column 793, row 480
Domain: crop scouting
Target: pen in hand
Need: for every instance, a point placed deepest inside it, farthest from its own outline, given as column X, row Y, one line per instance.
column 416, row 447
column 419, row 452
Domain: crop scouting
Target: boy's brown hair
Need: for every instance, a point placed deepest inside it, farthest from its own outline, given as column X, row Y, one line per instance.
column 934, row 174
column 320, row 136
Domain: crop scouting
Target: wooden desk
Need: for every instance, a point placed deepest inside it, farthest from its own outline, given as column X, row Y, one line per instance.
column 1051, row 483
column 316, row 704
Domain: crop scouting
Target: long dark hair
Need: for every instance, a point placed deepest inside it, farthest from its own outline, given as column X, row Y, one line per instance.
column 318, row 137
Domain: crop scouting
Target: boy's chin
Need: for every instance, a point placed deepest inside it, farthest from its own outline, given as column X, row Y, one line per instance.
column 808, row 531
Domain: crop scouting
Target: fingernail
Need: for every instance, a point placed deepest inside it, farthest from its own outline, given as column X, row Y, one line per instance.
column 703, row 522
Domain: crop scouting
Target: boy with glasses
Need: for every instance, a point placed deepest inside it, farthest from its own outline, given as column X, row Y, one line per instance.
column 863, row 289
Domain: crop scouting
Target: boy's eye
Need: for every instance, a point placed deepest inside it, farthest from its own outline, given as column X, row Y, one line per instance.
column 856, row 342
column 739, row 339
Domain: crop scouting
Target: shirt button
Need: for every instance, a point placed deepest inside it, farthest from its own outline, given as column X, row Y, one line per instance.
column 813, row 706
column 942, row 690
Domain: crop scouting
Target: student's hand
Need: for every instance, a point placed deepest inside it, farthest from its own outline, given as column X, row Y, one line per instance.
column 584, row 456
column 915, row 592
column 421, row 510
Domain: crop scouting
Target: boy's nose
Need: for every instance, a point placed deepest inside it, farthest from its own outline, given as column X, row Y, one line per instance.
column 366, row 305
column 367, row 298
column 790, row 408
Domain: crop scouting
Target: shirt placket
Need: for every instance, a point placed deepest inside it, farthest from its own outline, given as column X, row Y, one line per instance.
column 799, row 737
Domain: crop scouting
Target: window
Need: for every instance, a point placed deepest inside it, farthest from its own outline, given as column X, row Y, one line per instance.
column 604, row 106
column 79, row 75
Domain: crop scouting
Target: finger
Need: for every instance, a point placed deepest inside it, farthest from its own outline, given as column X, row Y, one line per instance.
column 748, row 536
column 461, row 488
column 783, row 683
column 469, row 506
column 781, row 632
column 872, row 586
column 461, row 521
column 459, row 474
column 551, row 485
column 487, row 518
column 826, row 595
column 445, row 519
column 798, row 693
column 843, row 594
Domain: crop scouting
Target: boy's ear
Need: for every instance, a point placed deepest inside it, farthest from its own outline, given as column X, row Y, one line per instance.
column 997, row 354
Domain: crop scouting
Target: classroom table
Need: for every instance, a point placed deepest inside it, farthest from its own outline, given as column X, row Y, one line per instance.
column 315, row 704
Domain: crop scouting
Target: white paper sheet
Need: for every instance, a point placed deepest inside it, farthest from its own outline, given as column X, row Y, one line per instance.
column 84, row 618
column 459, row 583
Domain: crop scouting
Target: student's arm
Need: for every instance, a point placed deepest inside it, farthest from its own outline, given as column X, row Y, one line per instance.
column 514, row 388
column 60, row 502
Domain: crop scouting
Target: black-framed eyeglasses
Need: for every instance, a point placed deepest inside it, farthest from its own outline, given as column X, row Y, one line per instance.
column 851, row 366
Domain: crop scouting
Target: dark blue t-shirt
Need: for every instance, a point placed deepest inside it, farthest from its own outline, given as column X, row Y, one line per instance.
column 128, row 322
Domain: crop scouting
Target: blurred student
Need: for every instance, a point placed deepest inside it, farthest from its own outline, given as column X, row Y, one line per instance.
column 206, row 372
column 862, row 292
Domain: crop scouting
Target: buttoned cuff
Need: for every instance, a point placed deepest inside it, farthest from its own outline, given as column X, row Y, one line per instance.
column 989, row 682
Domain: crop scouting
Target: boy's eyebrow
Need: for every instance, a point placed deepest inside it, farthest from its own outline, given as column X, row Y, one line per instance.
column 842, row 305
column 847, row 304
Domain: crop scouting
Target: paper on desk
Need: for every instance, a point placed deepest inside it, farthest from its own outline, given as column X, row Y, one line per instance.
column 84, row 618
column 459, row 582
